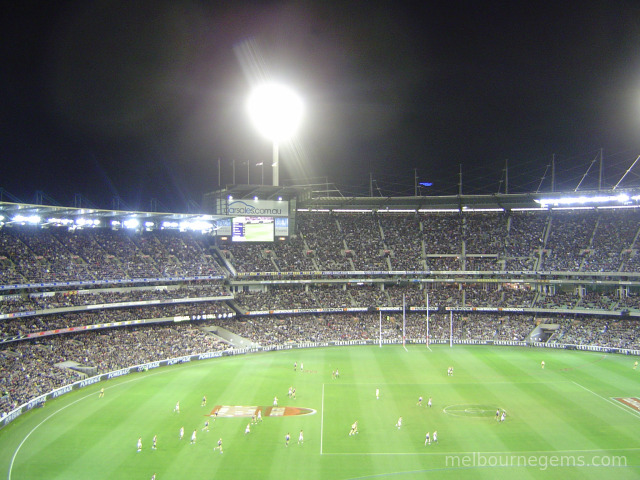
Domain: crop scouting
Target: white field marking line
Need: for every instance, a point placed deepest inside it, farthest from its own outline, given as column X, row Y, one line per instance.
column 626, row 407
column 453, row 412
column 322, row 419
column 448, row 383
column 15, row 454
column 514, row 453
column 36, row 427
column 429, row 348
column 612, row 402
column 405, row 348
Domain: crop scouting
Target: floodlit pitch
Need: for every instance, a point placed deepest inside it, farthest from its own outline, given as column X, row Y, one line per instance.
column 577, row 417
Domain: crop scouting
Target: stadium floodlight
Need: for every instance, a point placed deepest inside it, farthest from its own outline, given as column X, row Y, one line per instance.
column 197, row 225
column 276, row 111
column 583, row 199
column 131, row 223
column 32, row 219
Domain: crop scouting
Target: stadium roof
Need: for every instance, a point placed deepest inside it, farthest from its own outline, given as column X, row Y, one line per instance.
column 308, row 199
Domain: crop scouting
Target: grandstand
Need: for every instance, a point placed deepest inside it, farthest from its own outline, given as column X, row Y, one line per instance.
column 88, row 293
column 507, row 267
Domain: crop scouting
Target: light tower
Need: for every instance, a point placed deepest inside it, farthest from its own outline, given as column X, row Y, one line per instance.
column 276, row 111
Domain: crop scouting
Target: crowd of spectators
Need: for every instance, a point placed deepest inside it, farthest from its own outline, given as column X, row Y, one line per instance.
column 569, row 237
column 486, row 264
column 75, row 298
column 482, row 295
column 440, row 295
column 525, row 234
column 280, row 329
column 411, row 295
column 323, row 237
column 281, row 296
column 362, row 236
column 442, row 233
column 32, row 255
column 547, row 241
column 248, row 257
column 40, row 323
column 518, row 297
column 614, row 233
column 490, row 241
column 29, row 369
column 293, row 255
column 403, row 240
column 595, row 331
column 485, row 232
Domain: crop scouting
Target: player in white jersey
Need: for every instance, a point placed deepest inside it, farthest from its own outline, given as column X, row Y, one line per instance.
column 247, row 429
column 181, row 432
column 542, row 364
column 435, row 436
column 139, row 444
column 377, row 393
column 354, row 428
column 154, row 445
column 498, row 415
column 301, row 366
column 290, row 392
column 193, row 437
column 176, row 409
column 206, row 425
column 503, row 416
column 219, row 447
column 287, row 437
column 259, row 415
column 429, row 402
column 399, row 423
column 427, row 440
column 419, row 401
column 301, row 436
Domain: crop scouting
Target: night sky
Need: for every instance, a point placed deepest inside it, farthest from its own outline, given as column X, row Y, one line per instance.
column 139, row 99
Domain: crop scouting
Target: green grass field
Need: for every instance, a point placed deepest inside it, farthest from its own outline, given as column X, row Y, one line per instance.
column 258, row 232
column 564, row 415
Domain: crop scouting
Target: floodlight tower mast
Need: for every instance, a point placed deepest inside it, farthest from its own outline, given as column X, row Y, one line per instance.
column 276, row 111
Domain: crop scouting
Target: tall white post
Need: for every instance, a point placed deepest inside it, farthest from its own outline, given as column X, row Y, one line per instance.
column 380, row 334
column 451, row 330
column 274, row 165
column 403, row 320
column 427, row 319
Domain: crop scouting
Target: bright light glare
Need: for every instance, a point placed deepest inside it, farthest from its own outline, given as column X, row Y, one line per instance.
column 131, row 223
column 33, row 219
column 196, row 225
column 622, row 198
column 276, row 111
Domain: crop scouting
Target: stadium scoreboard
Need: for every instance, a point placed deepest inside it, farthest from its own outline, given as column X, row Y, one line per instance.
column 253, row 220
